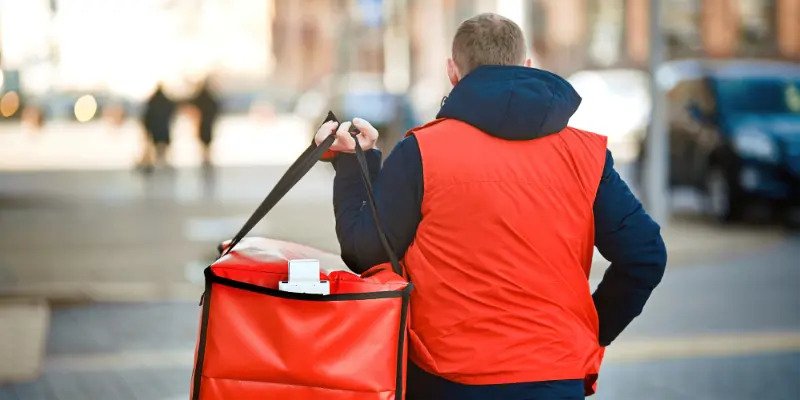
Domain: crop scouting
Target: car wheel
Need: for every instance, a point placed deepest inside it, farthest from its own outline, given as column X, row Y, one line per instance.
column 722, row 196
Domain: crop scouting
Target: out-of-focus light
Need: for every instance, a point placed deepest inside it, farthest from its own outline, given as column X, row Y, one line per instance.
column 753, row 143
column 9, row 104
column 513, row 10
column 793, row 98
column 32, row 117
column 2, row 78
column 85, row 108
column 615, row 103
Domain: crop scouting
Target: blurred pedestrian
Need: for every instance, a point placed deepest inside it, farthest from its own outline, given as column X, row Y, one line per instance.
column 495, row 208
column 156, row 119
column 207, row 105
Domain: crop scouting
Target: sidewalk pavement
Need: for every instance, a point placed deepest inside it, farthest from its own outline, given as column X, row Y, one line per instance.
column 119, row 236
column 727, row 330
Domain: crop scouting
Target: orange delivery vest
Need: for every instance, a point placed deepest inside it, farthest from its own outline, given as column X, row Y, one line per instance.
column 501, row 258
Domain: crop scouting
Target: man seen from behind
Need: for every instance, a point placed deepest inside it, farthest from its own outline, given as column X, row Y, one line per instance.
column 495, row 208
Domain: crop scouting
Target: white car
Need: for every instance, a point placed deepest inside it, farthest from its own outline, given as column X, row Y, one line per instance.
column 616, row 103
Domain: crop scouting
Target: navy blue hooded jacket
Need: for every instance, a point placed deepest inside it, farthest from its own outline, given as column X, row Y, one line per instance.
column 513, row 103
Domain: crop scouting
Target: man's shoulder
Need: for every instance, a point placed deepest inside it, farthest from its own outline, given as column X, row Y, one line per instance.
column 437, row 125
column 585, row 139
column 584, row 133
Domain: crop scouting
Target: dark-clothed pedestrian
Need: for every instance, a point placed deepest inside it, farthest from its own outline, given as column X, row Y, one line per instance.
column 495, row 209
column 207, row 105
column 158, row 112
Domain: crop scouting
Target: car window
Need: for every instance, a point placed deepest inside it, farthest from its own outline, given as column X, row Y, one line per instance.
column 759, row 95
column 793, row 98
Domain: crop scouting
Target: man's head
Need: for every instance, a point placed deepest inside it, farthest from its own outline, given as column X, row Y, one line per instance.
column 486, row 39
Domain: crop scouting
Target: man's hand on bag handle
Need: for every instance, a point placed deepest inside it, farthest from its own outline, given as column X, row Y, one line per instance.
column 344, row 143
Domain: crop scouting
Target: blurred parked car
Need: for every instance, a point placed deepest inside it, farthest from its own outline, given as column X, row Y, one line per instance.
column 615, row 103
column 734, row 131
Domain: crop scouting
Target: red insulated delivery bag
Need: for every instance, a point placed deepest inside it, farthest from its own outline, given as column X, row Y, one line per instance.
column 259, row 342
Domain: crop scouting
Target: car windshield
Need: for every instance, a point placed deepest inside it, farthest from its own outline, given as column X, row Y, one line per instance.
column 759, row 96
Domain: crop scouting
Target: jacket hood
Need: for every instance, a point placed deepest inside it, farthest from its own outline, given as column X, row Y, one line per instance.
column 512, row 102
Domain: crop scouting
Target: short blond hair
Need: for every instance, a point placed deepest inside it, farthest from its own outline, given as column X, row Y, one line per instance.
column 488, row 39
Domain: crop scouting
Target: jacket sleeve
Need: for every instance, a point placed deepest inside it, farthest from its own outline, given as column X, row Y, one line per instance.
column 631, row 240
column 398, row 195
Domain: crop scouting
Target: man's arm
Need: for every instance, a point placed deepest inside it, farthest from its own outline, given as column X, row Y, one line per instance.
column 398, row 195
column 631, row 240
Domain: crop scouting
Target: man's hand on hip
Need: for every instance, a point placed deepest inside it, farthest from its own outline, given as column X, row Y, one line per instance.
column 344, row 143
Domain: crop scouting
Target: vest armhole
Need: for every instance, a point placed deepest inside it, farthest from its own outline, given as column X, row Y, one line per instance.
column 601, row 151
column 597, row 145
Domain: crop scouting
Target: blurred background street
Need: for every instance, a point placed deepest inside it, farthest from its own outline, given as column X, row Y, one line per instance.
column 105, row 230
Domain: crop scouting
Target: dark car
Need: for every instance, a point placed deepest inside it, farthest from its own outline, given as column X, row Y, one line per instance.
column 734, row 131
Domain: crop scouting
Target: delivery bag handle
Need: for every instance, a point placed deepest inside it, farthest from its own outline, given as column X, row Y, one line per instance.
column 295, row 172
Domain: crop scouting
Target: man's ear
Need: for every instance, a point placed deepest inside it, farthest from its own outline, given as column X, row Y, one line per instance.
column 452, row 71
column 528, row 62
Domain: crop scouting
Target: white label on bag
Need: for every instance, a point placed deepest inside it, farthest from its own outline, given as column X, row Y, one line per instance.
column 303, row 270
column 304, row 278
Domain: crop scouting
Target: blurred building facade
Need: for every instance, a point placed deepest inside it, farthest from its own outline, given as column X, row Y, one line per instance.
column 122, row 48
column 565, row 35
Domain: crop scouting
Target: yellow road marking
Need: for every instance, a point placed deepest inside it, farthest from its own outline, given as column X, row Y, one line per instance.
column 712, row 345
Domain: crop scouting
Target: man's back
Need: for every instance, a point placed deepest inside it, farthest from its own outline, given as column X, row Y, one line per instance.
column 495, row 210
column 502, row 254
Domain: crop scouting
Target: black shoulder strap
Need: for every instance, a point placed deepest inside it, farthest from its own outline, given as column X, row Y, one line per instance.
column 295, row 172
column 362, row 162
